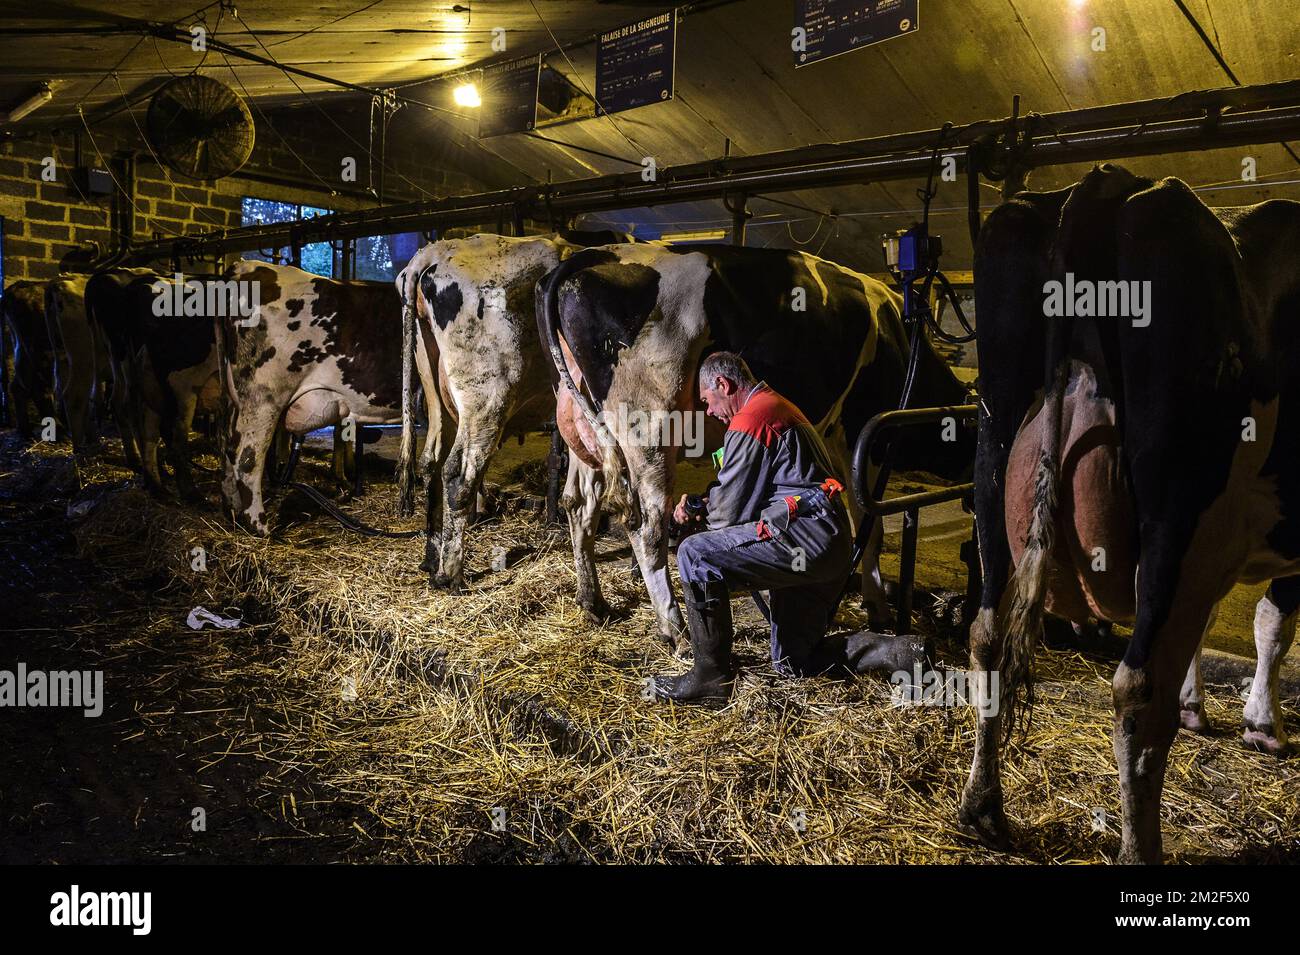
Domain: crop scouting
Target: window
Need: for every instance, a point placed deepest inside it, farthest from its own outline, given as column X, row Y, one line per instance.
column 317, row 257
column 379, row 257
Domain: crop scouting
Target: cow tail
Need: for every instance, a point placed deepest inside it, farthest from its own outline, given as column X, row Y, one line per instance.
column 406, row 454
column 1024, row 609
column 618, row 499
column 1022, row 626
column 227, row 346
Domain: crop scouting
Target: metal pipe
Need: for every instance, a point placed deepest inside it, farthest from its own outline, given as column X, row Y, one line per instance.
column 779, row 172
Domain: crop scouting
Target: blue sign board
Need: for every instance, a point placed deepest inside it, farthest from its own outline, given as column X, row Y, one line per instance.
column 635, row 64
column 832, row 27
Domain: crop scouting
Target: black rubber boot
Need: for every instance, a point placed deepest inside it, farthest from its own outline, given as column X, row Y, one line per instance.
column 710, row 680
column 866, row 651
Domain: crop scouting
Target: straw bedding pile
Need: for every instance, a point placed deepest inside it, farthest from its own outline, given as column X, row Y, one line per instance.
column 502, row 725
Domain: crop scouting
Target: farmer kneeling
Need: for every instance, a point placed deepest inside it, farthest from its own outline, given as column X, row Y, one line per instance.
column 777, row 522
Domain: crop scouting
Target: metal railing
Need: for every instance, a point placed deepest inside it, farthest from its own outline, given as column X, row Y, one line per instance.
column 909, row 505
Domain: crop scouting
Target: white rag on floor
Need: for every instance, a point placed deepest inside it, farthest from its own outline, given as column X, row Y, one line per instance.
column 201, row 617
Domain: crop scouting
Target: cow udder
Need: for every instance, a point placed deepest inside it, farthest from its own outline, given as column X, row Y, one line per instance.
column 1094, row 509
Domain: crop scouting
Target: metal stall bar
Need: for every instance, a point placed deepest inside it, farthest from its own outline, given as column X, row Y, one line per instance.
column 1211, row 119
column 909, row 505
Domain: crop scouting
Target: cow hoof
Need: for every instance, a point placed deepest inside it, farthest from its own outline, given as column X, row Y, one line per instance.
column 1193, row 719
column 597, row 611
column 450, row 585
column 1262, row 739
column 984, row 819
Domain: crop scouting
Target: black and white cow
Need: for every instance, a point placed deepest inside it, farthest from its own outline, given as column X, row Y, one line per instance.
column 164, row 367
column 626, row 327
column 477, row 349
column 29, row 356
column 314, row 352
column 1157, row 466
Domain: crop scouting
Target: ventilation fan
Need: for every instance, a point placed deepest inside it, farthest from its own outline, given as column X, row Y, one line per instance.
column 200, row 127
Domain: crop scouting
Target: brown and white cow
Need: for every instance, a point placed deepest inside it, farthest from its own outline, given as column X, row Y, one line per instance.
column 164, row 366
column 477, row 348
column 29, row 356
column 1155, row 465
column 312, row 353
column 626, row 327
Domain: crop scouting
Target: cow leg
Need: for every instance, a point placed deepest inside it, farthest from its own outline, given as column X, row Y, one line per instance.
column 1191, row 699
column 437, row 444
column 177, row 428
column 18, row 402
column 1275, row 622
column 125, row 421
column 150, row 436
column 76, row 398
column 655, row 471
column 248, row 438
column 1146, row 720
column 981, row 810
column 343, row 460
column 461, row 475
column 583, row 491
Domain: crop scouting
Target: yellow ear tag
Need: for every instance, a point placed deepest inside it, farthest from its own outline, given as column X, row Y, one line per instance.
column 717, row 459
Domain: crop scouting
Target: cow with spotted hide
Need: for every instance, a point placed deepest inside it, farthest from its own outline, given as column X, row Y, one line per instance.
column 314, row 351
column 1169, row 444
column 471, row 304
column 163, row 367
column 626, row 328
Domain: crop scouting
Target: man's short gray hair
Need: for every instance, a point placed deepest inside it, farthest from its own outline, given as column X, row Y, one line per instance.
column 726, row 364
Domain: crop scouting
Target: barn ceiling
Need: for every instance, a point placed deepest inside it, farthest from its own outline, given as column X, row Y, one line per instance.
column 735, row 82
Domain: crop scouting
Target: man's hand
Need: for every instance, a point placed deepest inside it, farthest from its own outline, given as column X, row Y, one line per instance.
column 682, row 516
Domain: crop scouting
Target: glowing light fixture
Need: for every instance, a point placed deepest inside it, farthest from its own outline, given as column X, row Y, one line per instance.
column 699, row 235
column 29, row 105
column 467, row 95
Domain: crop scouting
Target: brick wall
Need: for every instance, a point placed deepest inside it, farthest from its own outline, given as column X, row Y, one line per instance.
column 43, row 221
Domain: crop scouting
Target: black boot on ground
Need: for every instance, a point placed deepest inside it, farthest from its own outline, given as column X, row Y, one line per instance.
column 710, row 680
column 866, row 652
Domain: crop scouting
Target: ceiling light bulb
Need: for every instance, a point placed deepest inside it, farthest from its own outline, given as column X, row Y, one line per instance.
column 467, row 95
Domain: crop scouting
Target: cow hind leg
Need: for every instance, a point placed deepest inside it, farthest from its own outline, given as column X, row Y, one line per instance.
column 248, row 440
column 1275, row 624
column 120, row 403
column 150, row 437
column 1191, row 699
column 649, row 540
column 177, row 429
column 461, row 473
column 583, row 491
column 437, row 443
column 1146, row 687
column 981, row 813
